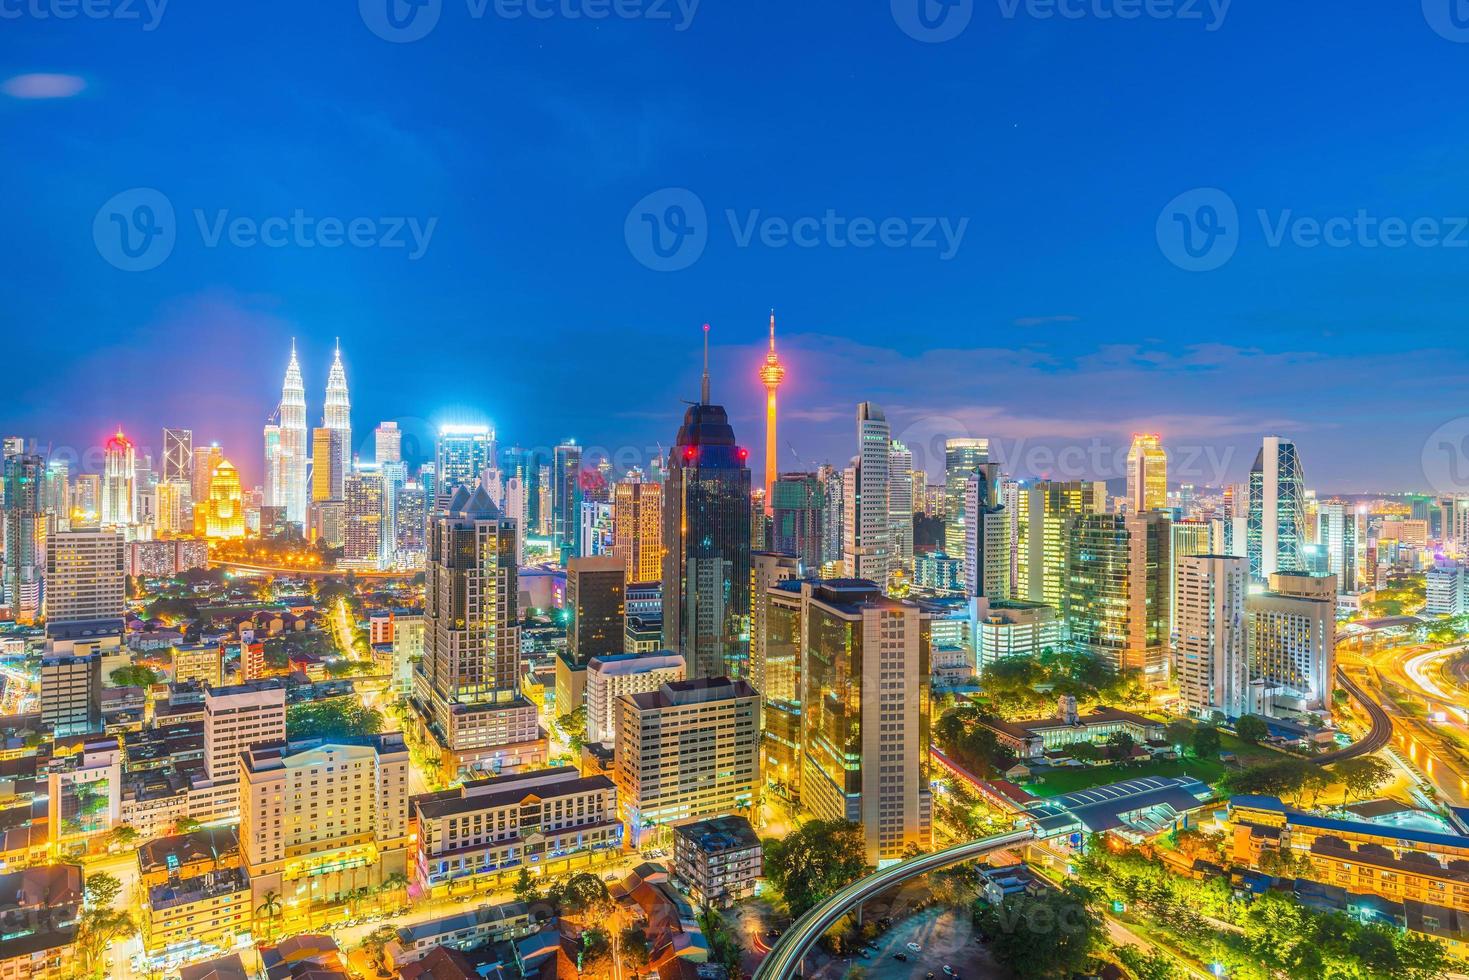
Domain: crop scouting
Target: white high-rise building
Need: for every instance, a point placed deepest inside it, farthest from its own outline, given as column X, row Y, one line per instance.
column 337, row 410
column 388, row 443
column 294, row 445
column 1342, row 530
column 1211, row 661
column 987, row 536
column 85, row 577
column 1276, row 520
column 270, row 490
column 900, row 503
column 1293, row 644
column 868, row 550
column 119, row 476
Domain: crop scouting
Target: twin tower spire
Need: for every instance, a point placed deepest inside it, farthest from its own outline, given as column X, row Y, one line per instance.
column 290, row 472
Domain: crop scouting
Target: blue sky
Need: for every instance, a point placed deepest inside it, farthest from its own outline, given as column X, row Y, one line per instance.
column 1058, row 321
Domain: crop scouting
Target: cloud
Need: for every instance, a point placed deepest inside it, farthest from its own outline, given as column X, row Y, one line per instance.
column 43, row 86
column 1043, row 321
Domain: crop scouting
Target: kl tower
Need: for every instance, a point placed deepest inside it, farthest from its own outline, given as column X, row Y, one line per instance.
column 772, row 373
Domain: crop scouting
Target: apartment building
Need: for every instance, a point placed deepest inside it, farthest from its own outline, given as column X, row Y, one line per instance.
column 718, row 860
column 236, row 718
column 202, row 915
column 610, row 677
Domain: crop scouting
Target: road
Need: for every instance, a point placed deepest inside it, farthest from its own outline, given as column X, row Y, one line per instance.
column 785, row 957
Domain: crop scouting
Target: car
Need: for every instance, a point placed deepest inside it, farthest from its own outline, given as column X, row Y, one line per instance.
column 610, row 876
column 901, row 957
column 915, row 947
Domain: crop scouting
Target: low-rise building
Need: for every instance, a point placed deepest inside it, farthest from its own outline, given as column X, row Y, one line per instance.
column 610, row 677
column 186, row 917
column 42, row 905
column 1033, row 739
column 463, row 930
column 717, row 860
column 488, row 827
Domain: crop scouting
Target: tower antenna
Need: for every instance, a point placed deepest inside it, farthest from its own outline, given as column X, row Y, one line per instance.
column 704, row 388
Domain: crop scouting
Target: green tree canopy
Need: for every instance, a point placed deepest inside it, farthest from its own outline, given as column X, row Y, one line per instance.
column 811, row 864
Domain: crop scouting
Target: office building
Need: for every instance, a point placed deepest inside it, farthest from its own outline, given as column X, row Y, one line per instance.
column 387, row 443
column 71, row 693
column 1342, row 530
column 464, row 452
column 270, row 489
column 1043, row 514
column 328, row 476
column 1185, row 538
column 637, row 529
column 865, row 714
column 868, row 544
column 935, row 573
column 1147, row 474
column 1211, row 658
column 1117, row 592
column 775, row 659
column 1447, row 589
column 178, row 455
column 1276, row 520
column 321, row 817
column 833, row 533
column 566, row 497
column 225, row 506
column 1005, row 628
column 119, row 474
column 797, row 525
column 706, row 541
column 544, row 821
column 690, row 749
column 596, row 535
column 206, row 458
column 467, row 687
column 85, row 580
column 767, row 569
column 987, row 563
column 594, row 599
column 1292, row 637
column 364, row 512
column 609, row 677
column 336, row 414
column 772, row 373
column 237, row 717
column 962, row 457
column 900, row 503
column 23, row 536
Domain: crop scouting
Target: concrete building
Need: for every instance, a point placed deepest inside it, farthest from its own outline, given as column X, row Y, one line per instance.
column 85, row 580
column 1012, row 628
column 865, row 714
column 488, row 829
column 637, row 529
column 1292, row 637
column 1211, row 659
column 868, row 540
column 1033, row 739
column 71, row 693
column 43, row 908
column 718, row 860
column 236, row 719
column 594, row 600
column 1116, row 594
column 609, row 678
column 197, row 915
column 1043, row 513
column 1448, row 589
column 321, row 817
column 690, row 749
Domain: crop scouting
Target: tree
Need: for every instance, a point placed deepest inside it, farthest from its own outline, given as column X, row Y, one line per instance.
column 635, row 947
column 1153, row 965
column 1364, row 776
column 1038, row 936
column 1284, row 777
column 1251, row 729
column 811, row 864
column 123, row 836
column 1179, row 732
column 99, row 923
column 526, row 890
column 1206, row 742
column 584, row 894
column 134, row 675
column 335, row 718
column 375, row 942
column 270, row 910
column 595, row 955
column 1119, row 745
column 185, row 825
column 574, row 726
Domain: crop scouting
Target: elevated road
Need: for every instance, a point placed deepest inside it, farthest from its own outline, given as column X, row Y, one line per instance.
column 1375, row 740
column 786, row 955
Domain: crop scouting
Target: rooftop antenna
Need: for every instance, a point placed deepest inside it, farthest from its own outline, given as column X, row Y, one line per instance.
column 704, row 389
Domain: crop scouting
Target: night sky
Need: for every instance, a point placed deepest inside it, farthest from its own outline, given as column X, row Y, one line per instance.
column 1062, row 318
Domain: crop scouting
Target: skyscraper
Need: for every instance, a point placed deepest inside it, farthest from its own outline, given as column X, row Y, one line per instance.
column 1042, row 513
column 226, row 504
column 118, row 479
column 295, row 451
column 85, row 581
column 706, row 540
column 1276, row 528
column 328, row 477
column 271, row 489
column 594, row 595
column 463, row 453
column 467, row 686
column 388, row 443
column 337, row 410
column 24, row 536
column 798, row 520
column 637, row 528
column 362, row 535
column 772, row 373
column 1147, row 473
column 961, row 458
column 1211, row 662
column 1116, row 591
column 986, row 536
column 1342, row 531
column 900, row 503
column 566, row 500
column 178, row 454
column 868, row 550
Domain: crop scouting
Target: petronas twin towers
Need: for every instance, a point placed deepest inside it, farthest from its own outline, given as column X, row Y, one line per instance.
column 288, row 443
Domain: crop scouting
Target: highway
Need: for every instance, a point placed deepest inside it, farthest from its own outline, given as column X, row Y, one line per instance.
column 786, row 955
column 1375, row 740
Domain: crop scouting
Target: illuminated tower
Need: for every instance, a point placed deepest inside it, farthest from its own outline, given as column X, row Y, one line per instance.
column 706, row 541
column 226, row 514
column 118, row 476
column 292, row 447
column 772, row 373
column 337, row 412
column 1147, row 473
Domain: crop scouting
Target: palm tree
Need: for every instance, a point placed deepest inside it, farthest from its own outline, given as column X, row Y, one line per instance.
column 397, row 881
column 270, row 908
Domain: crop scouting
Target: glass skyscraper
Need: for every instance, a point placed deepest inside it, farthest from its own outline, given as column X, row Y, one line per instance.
column 1276, row 526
